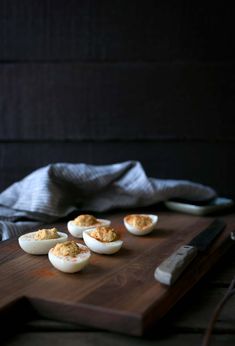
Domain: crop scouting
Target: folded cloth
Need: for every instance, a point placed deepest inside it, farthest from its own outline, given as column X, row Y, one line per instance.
column 11, row 229
column 56, row 190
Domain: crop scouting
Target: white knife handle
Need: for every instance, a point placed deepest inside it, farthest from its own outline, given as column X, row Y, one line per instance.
column 171, row 268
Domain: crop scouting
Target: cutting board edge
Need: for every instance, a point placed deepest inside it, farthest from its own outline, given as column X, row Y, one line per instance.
column 117, row 321
column 178, row 293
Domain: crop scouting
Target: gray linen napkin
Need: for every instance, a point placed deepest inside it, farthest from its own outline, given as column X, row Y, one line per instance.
column 56, row 190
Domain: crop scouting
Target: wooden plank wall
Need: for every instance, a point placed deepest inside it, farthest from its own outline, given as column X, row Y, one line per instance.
column 107, row 81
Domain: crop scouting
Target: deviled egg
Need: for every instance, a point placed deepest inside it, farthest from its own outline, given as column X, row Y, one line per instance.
column 84, row 222
column 140, row 224
column 69, row 257
column 102, row 240
column 41, row 241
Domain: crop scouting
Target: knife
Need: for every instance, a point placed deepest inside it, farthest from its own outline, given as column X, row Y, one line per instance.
column 172, row 267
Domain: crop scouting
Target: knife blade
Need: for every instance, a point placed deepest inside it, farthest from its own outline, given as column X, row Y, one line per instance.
column 172, row 267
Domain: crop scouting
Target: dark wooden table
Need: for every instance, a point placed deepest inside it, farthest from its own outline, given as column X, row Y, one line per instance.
column 184, row 324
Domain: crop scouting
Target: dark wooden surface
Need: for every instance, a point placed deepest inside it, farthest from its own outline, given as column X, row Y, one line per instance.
column 41, row 285
column 116, row 101
column 101, row 30
column 80, row 77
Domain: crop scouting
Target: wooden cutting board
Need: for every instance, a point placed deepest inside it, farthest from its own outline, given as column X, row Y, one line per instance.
column 116, row 292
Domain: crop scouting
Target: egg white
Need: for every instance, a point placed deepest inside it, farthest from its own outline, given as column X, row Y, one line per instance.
column 69, row 264
column 106, row 248
column 77, row 231
column 37, row 246
column 140, row 232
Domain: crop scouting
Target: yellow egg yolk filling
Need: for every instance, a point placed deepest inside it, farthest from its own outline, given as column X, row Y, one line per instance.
column 85, row 220
column 104, row 234
column 139, row 221
column 68, row 248
column 43, row 234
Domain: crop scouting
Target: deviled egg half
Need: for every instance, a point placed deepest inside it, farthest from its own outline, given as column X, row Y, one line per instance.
column 41, row 241
column 140, row 224
column 69, row 257
column 84, row 222
column 102, row 240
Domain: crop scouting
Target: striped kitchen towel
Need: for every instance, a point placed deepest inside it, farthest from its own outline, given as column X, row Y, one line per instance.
column 56, row 190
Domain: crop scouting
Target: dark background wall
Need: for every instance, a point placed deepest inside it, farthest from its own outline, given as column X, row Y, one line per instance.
column 107, row 81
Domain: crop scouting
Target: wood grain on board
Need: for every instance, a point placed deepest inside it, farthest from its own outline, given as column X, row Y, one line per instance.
column 116, row 293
